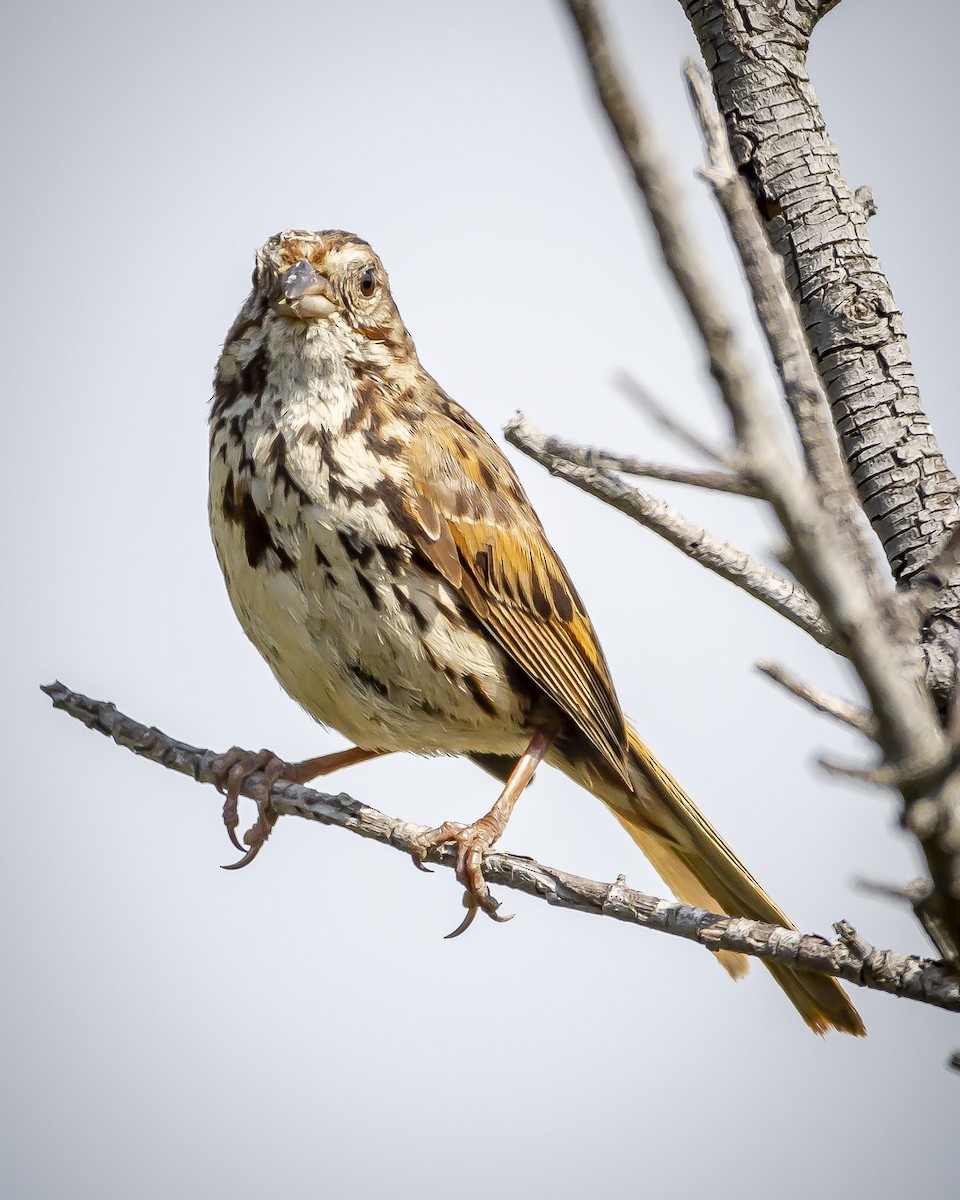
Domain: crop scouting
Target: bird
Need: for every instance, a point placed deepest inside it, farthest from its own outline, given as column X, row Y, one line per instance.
column 380, row 552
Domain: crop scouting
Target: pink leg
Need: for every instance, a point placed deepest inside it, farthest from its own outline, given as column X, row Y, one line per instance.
column 474, row 840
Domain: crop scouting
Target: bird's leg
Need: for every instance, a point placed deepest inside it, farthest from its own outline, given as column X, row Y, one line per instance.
column 473, row 840
column 232, row 770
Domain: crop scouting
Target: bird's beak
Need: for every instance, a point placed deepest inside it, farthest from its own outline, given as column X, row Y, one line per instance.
column 307, row 293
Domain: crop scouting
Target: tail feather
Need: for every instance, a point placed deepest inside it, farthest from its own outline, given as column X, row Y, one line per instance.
column 684, row 884
column 701, row 869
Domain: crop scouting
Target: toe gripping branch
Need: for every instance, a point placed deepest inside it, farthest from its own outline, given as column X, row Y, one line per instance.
column 233, row 770
column 473, row 841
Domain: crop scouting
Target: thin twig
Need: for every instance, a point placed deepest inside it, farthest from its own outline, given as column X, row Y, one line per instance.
column 912, row 893
column 917, row 895
column 671, row 424
column 783, row 595
column 944, row 566
column 664, row 202
column 608, row 460
column 882, row 777
column 902, row 975
column 853, row 715
column 662, row 197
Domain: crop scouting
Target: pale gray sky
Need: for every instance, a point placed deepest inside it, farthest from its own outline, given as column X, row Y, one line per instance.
column 301, row 1028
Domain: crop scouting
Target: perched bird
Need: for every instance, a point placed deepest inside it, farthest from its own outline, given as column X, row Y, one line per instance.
column 382, row 556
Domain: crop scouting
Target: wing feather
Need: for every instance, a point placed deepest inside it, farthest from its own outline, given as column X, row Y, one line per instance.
column 473, row 522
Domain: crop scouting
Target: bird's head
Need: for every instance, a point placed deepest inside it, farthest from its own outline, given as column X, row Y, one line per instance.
column 332, row 280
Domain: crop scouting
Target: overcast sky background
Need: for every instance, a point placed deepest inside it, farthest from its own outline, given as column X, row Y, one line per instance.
column 301, row 1028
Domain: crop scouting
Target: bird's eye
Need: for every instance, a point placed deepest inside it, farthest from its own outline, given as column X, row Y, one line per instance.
column 368, row 282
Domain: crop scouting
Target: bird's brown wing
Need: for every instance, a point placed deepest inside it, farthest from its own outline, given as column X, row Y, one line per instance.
column 473, row 522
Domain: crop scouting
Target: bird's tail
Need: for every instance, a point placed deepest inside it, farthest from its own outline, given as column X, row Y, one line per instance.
column 701, row 869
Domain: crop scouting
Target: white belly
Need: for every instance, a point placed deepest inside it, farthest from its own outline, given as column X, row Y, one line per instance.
column 389, row 661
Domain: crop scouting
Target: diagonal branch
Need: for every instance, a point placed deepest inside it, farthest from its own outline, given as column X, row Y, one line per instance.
column 813, row 510
column 670, row 423
column 910, row 509
column 790, row 355
column 757, row 56
column 783, row 595
column 831, row 706
column 849, row 958
column 608, row 460
column 664, row 202
column 838, row 567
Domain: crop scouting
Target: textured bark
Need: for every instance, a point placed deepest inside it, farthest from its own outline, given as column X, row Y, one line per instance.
column 849, row 958
column 817, row 508
column 756, row 52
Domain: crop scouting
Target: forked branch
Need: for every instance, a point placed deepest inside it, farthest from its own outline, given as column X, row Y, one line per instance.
column 757, row 55
column 785, row 596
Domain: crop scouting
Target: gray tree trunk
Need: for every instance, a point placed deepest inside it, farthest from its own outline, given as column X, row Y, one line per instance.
column 756, row 52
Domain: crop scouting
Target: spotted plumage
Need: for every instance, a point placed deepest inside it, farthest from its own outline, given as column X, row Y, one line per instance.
column 381, row 554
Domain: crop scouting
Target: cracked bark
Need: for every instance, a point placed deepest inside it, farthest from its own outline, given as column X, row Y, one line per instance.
column 832, row 552
column 757, row 57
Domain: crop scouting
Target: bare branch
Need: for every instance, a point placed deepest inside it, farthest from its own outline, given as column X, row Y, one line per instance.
column 911, row 893
column 664, row 202
column 880, row 642
column 757, row 56
column 882, row 777
column 826, row 535
column 892, row 680
column 783, row 595
column 832, row 706
column 822, row 532
column 711, row 481
column 671, row 424
column 849, row 959
column 791, row 357
column 609, row 460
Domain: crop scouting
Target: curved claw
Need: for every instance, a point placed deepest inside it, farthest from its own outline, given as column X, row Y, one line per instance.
column 238, row 845
column 471, row 842
column 250, row 854
column 231, row 772
column 419, row 864
column 472, row 905
column 472, row 909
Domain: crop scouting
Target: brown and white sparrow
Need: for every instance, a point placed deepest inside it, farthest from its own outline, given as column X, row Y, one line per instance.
column 381, row 554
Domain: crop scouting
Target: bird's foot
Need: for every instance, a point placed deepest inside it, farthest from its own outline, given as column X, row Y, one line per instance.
column 472, row 841
column 231, row 771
